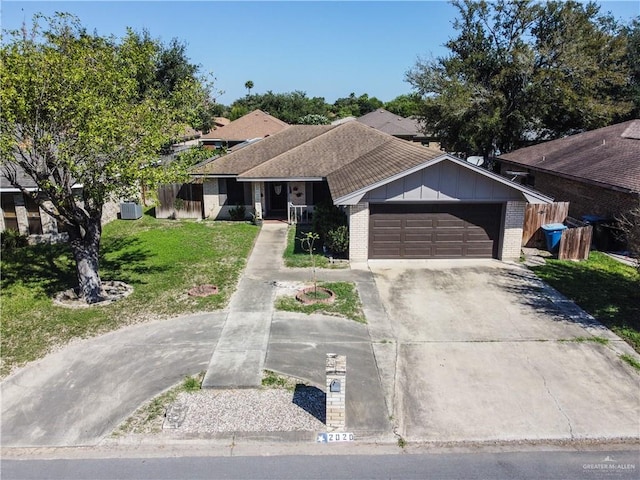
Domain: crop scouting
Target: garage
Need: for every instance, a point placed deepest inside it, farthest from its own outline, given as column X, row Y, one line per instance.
column 468, row 230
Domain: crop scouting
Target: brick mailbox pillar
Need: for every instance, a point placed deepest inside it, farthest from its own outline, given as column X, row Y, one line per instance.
column 336, row 391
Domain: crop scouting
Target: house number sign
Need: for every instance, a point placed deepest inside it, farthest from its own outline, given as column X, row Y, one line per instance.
column 335, row 437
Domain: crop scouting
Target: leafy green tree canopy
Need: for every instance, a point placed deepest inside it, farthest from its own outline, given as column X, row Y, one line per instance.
column 80, row 109
column 520, row 72
column 313, row 119
column 353, row 106
column 288, row 107
column 404, row 105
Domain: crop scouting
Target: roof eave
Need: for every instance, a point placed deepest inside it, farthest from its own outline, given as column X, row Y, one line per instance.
column 214, row 175
column 570, row 177
column 280, row 179
column 531, row 196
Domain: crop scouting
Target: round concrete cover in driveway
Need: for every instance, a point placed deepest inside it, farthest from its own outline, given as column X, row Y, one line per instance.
column 485, row 352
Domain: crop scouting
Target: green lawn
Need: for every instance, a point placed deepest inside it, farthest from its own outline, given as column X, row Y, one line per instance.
column 606, row 288
column 347, row 303
column 161, row 259
column 296, row 257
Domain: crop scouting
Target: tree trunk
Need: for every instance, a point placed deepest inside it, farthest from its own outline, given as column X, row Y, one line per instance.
column 85, row 245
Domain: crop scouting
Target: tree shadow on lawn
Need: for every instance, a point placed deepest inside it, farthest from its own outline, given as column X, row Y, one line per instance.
column 52, row 268
column 612, row 299
column 124, row 259
column 47, row 267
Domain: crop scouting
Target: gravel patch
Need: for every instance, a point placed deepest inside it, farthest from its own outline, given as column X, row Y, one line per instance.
column 248, row 410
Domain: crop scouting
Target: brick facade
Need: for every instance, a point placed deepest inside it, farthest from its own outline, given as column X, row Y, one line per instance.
column 586, row 199
column 48, row 225
column 359, row 232
column 583, row 198
column 512, row 231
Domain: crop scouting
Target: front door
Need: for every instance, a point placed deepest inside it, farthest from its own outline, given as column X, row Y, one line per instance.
column 277, row 205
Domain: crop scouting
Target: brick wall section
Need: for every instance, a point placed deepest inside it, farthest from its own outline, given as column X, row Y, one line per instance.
column 110, row 211
column 21, row 214
column 512, row 233
column 336, row 406
column 359, row 232
column 584, row 198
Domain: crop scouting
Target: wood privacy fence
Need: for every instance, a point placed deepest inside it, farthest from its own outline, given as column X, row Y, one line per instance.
column 538, row 214
column 179, row 200
column 575, row 243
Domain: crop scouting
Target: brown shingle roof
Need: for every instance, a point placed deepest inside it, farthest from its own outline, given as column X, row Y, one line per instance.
column 257, row 153
column 321, row 155
column 351, row 156
column 391, row 158
column 256, row 124
column 607, row 156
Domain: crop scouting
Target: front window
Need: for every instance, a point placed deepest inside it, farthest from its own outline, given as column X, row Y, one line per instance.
column 235, row 192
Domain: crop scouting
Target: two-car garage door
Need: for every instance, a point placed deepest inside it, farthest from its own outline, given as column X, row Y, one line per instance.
column 434, row 230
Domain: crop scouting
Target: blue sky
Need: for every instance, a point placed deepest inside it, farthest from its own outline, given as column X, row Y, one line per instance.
column 326, row 49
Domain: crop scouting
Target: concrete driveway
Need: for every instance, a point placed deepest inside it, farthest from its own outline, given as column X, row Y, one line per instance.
column 485, row 351
column 79, row 394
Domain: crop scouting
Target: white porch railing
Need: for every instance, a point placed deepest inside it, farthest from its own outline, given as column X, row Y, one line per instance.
column 299, row 213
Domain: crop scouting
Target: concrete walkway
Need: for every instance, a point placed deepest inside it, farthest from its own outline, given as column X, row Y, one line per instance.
column 255, row 337
column 473, row 353
column 238, row 358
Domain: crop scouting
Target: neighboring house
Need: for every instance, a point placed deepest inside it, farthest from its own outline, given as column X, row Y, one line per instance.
column 598, row 171
column 221, row 121
column 21, row 213
column 403, row 200
column 400, row 127
column 256, row 124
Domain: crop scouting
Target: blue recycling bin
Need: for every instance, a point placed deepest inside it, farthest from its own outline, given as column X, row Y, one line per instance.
column 553, row 234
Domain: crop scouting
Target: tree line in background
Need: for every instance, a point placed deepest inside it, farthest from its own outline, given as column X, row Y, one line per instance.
column 297, row 108
column 518, row 72
column 521, row 72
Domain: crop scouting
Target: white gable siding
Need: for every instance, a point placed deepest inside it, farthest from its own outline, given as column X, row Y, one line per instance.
column 443, row 182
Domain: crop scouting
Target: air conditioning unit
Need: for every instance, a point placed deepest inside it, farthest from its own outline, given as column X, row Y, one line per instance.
column 130, row 211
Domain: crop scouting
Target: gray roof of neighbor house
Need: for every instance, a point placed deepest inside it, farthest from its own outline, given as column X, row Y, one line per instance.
column 256, row 124
column 22, row 178
column 391, row 123
column 608, row 156
column 351, row 157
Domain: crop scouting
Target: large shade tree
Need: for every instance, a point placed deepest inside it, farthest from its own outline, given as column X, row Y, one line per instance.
column 520, row 72
column 83, row 110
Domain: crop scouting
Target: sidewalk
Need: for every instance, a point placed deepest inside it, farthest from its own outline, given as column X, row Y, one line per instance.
column 238, row 358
